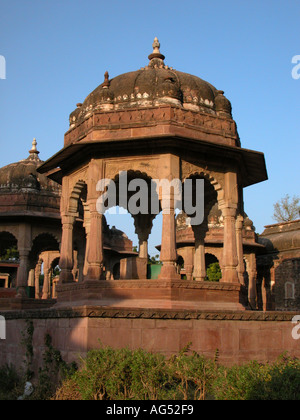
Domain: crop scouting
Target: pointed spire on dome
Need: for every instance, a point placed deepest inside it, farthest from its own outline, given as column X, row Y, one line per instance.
column 33, row 152
column 106, row 82
column 156, row 53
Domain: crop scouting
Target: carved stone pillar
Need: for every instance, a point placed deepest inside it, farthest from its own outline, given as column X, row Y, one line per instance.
column 199, row 260
column 86, row 225
column 46, row 285
column 38, row 270
column 252, row 292
column 240, row 251
column 189, row 263
column 23, row 270
column 66, row 253
column 199, row 273
column 31, row 278
column 95, row 249
column 230, row 259
column 143, row 226
column 80, row 262
column 168, row 254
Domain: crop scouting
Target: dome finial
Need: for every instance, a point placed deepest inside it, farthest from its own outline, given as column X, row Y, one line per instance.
column 156, row 53
column 33, row 151
column 34, row 144
column 106, row 82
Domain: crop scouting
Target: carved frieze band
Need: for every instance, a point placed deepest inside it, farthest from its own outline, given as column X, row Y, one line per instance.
column 153, row 115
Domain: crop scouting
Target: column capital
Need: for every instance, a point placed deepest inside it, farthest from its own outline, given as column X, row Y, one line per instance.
column 239, row 222
column 67, row 219
column 23, row 252
column 229, row 211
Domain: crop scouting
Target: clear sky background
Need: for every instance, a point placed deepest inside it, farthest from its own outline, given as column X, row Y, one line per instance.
column 57, row 52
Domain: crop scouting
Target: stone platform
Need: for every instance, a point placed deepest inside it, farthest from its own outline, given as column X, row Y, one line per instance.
column 160, row 294
column 154, row 315
column 238, row 336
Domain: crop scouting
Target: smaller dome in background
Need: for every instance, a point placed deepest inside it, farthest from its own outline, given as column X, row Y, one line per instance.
column 22, row 176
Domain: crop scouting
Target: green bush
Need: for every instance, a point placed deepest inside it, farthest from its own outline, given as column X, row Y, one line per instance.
column 108, row 374
column 281, row 382
column 11, row 383
column 254, row 381
column 122, row 375
column 192, row 375
column 237, row 382
column 213, row 272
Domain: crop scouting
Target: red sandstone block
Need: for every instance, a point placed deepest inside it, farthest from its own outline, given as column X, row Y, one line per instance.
column 229, row 339
column 121, row 323
column 161, row 340
column 203, row 324
column 288, row 341
column 249, row 339
column 270, row 339
column 174, row 323
column 14, row 331
column 51, row 325
column 63, row 323
column 202, row 340
column 79, row 322
column 75, row 339
column 60, row 338
column 39, row 336
column 114, row 337
column 143, row 323
column 99, row 323
column 39, row 323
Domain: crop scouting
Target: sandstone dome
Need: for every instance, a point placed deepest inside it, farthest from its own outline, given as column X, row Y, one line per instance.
column 22, row 176
column 153, row 85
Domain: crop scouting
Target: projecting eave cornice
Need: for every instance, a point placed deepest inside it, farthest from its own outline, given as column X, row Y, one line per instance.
column 251, row 163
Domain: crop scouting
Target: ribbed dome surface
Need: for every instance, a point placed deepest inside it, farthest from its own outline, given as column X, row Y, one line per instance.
column 153, row 85
column 281, row 236
column 22, row 176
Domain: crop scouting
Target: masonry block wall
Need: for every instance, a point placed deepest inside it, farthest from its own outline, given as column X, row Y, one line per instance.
column 287, row 293
column 238, row 337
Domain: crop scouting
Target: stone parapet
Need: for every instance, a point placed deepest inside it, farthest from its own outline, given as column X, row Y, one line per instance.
column 103, row 125
column 238, row 336
column 153, row 294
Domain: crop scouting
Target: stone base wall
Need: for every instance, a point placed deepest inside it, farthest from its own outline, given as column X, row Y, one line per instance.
column 238, row 336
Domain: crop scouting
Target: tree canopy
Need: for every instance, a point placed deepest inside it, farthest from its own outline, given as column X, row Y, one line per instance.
column 287, row 209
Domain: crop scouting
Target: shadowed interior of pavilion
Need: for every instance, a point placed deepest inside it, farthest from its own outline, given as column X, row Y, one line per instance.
column 131, row 287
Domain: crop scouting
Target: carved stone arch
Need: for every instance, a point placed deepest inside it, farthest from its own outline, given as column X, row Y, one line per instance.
column 79, row 190
column 136, row 174
column 41, row 243
column 10, row 231
column 132, row 173
column 45, row 232
column 8, row 241
column 210, row 177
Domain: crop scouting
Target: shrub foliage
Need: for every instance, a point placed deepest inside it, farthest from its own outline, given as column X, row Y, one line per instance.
column 108, row 374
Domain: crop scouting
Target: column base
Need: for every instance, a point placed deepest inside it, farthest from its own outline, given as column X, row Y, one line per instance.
column 66, row 276
column 94, row 273
column 230, row 275
column 169, row 272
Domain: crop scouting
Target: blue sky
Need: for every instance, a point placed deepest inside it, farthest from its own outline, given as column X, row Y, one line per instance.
column 56, row 53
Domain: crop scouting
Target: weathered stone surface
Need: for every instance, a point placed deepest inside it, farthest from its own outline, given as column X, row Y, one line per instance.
column 238, row 336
